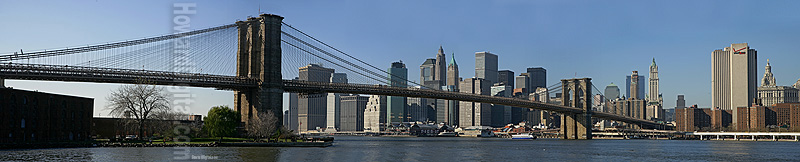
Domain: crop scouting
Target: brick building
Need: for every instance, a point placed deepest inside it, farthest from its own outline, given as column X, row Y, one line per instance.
column 32, row 116
column 694, row 119
column 759, row 118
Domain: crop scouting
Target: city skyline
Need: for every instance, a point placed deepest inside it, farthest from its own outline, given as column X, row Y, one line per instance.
column 539, row 40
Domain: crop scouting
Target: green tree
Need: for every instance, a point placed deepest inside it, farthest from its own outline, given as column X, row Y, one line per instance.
column 221, row 122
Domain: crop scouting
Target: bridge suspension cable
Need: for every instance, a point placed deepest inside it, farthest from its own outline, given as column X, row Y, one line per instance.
column 67, row 51
column 377, row 74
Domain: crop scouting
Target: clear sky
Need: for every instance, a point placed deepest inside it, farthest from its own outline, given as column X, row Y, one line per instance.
column 605, row 40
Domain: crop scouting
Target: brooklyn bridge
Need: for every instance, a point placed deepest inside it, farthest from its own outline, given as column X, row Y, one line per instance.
column 258, row 60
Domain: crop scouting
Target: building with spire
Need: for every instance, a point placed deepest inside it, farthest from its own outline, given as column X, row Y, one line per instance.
column 450, row 113
column 440, row 68
column 770, row 93
column 654, row 96
column 655, row 109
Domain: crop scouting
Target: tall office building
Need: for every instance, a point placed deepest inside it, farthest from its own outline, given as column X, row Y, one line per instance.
column 538, row 78
column 486, row 66
column 653, row 96
column 475, row 113
column 733, row 77
column 292, row 117
column 506, row 77
column 334, row 103
column 769, row 93
column 628, row 86
column 681, row 102
column 523, row 82
column 427, row 70
column 418, row 109
column 453, row 80
column 449, row 114
column 635, row 88
column 312, row 108
column 611, row 92
column 453, row 77
column 375, row 114
column 440, row 68
column 501, row 114
column 396, row 106
column 352, row 116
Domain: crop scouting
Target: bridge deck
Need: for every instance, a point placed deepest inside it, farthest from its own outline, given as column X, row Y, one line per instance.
column 128, row 76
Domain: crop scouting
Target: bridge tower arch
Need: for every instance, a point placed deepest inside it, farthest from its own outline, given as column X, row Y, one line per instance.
column 576, row 93
column 259, row 56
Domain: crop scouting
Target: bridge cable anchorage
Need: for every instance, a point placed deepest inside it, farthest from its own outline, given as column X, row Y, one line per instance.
column 354, row 58
column 67, row 51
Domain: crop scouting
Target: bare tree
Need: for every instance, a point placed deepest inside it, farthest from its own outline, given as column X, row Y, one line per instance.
column 264, row 125
column 163, row 122
column 138, row 101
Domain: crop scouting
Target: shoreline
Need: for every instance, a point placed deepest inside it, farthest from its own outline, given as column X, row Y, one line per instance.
column 213, row 144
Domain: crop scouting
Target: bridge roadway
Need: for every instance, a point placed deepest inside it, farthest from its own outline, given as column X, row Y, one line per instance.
column 298, row 86
column 130, row 76
column 126, row 76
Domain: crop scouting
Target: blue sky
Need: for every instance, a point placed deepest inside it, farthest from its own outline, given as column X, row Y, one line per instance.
column 605, row 40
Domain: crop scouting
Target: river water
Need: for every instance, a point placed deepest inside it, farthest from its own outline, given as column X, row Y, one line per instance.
column 444, row 149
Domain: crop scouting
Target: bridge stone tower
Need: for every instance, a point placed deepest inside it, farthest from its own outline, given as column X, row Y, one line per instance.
column 259, row 56
column 577, row 93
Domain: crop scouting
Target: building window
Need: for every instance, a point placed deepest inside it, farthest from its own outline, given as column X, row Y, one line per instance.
column 22, row 123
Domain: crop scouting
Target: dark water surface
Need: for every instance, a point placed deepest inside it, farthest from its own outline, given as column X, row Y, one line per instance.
column 444, row 149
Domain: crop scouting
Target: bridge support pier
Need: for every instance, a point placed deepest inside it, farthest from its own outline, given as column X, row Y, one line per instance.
column 577, row 93
column 259, row 56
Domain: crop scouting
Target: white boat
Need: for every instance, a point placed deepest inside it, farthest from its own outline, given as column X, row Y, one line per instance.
column 522, row 136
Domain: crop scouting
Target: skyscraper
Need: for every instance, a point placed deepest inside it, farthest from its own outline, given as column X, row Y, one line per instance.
column 333, row 118
column 440, row 68
column 628, row 86
column 475, row 113
column 396, row 106
column 681, row 103
column 611, row 92
column 418, row 109
column 291, row 123
column 523, row 82
column 311, row 113
column 486, row 66
column 501, row 114
column 453, row 80
column 653, row 95
column 352, row 112
column 635, row 82
column 428, row 70
column 452, row 72
column 733, row 77
column 506, row 77
column 538, row 78
column 375, row 114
